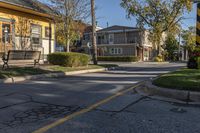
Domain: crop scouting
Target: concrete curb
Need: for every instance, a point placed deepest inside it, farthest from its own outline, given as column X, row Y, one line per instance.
column 52, row 75
column 151, row 90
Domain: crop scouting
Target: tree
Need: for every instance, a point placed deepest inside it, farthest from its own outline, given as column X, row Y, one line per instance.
column 159, row 16
column 189, row 38
column 69, row 13
column 23, row 25
column 171, row 47
column 94, row 46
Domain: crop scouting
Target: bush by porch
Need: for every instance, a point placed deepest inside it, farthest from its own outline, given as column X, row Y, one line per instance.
column 69, row 59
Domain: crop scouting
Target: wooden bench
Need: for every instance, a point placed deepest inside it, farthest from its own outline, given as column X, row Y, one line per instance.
column 21, row 55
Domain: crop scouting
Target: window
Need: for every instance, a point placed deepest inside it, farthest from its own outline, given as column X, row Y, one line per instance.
column 86, row 37
column 36, row 35
column 6, row 39
column 47, row 32
column 111, row 38
column 116, row 51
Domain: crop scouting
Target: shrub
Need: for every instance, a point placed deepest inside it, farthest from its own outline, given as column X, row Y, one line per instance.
column 198, row 62
column 159, row 58
column 119, row 58
column 192, row 64
column 196, row 52
column 68, row 59
column 194, row 61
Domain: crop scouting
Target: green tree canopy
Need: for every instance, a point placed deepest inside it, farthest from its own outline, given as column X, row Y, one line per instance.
column 159, row 16
column 189, row 38
column 171, row 47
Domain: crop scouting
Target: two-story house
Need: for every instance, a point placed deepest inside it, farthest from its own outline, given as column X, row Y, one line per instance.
column 121, row 41
column 26, row 25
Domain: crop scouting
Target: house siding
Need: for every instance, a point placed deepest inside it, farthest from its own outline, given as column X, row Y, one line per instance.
column 127, row 50
column 131, row 41
column 12, row 16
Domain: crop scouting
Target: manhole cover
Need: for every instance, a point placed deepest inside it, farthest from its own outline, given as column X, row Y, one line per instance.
column 178, row 110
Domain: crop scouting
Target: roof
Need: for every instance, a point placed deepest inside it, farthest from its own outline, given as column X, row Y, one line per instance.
column 89, row 29
column 118, row 28
column 31, row 4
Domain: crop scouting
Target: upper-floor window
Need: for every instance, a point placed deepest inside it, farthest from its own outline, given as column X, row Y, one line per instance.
column 86, row 37
column 111, row 38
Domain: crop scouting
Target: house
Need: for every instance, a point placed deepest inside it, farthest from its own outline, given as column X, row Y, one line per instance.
column 26, row 25
column 121, row 41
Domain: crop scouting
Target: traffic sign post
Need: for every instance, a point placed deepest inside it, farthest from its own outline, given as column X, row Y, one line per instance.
column 198, row 23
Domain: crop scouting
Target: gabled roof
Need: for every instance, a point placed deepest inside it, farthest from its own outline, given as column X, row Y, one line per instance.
column 30, row 4
column 118, row 28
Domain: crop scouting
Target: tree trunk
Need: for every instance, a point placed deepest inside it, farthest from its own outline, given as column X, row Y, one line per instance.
column 68, row 45
column 94, row 45
column 159, row 49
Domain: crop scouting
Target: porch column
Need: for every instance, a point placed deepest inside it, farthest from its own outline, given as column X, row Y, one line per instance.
column 13, row 34
column 50, row 36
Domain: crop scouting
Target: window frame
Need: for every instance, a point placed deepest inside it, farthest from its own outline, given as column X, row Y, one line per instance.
column 40, row 35
column 49, row 32
column 116, row 51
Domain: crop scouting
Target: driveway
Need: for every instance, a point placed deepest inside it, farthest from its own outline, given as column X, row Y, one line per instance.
column 89, row 103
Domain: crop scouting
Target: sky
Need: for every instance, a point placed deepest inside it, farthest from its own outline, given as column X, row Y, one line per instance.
column 109, row 11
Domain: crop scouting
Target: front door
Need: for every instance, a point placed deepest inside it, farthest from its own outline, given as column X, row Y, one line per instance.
column 5, row 36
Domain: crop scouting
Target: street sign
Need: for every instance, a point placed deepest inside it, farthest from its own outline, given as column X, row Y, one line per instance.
column 196, row 1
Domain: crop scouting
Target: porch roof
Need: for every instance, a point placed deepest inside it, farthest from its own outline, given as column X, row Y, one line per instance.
column 28, row 6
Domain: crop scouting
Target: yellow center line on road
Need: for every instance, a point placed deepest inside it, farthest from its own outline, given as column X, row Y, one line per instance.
column 83, row 111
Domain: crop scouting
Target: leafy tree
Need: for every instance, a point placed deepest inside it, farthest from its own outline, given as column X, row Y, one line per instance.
column 69, row 14
column 189, row 38
column 23, row 30
column 159, row 16
column 171, row 47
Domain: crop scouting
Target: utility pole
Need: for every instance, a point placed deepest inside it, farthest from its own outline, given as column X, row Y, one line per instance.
column 179, row 47
column 94, row 45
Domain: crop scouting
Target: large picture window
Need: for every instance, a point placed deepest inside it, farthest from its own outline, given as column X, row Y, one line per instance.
column 36, row 38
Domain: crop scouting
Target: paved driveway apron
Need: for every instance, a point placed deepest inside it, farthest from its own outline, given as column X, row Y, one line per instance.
column 28, row 106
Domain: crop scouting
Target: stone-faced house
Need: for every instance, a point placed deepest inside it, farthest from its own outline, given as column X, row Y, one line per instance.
column 26, row 25
column 121, row 41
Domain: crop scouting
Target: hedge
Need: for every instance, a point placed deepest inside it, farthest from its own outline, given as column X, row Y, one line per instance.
column 68, row 59
column 194, row 61
column 119, row 58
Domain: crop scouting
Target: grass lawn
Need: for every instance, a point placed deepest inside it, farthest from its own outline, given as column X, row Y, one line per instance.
column 69, row 69
column 19, row 71
column 183, row 79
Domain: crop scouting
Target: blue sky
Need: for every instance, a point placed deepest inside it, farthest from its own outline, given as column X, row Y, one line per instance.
column 111, row 12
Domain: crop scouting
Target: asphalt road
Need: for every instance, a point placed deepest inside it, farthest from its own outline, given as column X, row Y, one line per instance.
column 27, row 107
